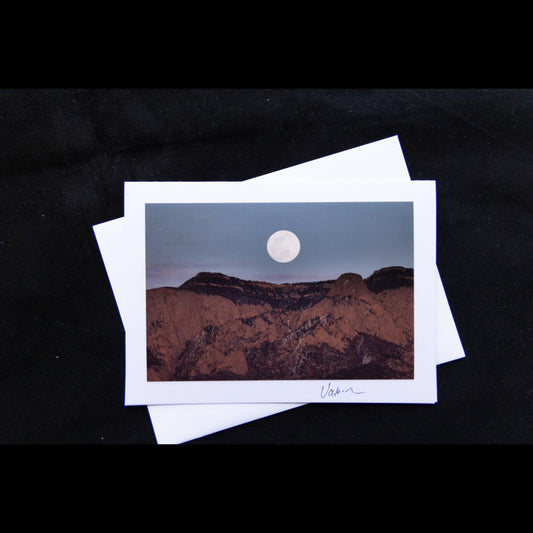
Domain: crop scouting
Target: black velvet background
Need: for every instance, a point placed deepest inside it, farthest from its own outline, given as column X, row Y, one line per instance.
column 65, row 153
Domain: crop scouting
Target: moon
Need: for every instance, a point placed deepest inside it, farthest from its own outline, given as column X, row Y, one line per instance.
column 283, row 246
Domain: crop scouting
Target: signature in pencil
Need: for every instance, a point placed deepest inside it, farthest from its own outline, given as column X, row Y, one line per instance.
column 332, row 392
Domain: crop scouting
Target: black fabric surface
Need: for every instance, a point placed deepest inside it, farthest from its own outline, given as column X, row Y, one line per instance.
column 65, row 154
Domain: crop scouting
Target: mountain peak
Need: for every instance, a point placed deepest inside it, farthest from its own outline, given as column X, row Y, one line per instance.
column 349, row 284
column 388, row 278
column 207, row 277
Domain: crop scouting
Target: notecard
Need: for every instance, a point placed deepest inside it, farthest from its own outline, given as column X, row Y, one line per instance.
column 281, row 293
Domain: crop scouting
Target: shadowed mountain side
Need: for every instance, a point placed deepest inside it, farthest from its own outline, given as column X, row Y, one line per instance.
column 217, row 327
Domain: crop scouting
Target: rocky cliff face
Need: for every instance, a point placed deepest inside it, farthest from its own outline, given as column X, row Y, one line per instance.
column 217, row 327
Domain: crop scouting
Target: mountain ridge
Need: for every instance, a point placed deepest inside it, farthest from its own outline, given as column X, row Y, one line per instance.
column 216, row 326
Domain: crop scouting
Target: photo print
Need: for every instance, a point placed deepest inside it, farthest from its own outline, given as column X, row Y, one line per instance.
column 279, row 291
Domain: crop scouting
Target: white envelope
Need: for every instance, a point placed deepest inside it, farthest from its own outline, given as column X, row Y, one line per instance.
column 381, row 160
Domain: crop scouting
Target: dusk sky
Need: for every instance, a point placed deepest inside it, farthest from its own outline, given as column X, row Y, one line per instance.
column 335, row 238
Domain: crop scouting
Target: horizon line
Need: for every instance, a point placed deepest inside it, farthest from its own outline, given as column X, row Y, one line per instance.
column 280, row 284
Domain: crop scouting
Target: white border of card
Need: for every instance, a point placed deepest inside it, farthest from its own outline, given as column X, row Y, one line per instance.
column 178, row 423
column 420, row 389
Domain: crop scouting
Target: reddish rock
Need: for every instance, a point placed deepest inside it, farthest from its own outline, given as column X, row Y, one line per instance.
column 217, row 327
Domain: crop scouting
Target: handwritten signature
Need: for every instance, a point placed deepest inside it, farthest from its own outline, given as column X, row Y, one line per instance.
column 331, row 392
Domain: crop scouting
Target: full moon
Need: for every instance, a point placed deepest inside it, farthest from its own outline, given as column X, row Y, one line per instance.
column 283, row 246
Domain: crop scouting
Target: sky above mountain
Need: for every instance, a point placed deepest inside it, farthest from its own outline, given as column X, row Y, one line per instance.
column 334, row 238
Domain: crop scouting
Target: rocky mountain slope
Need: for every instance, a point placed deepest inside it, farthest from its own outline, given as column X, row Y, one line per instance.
column 217, row 327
